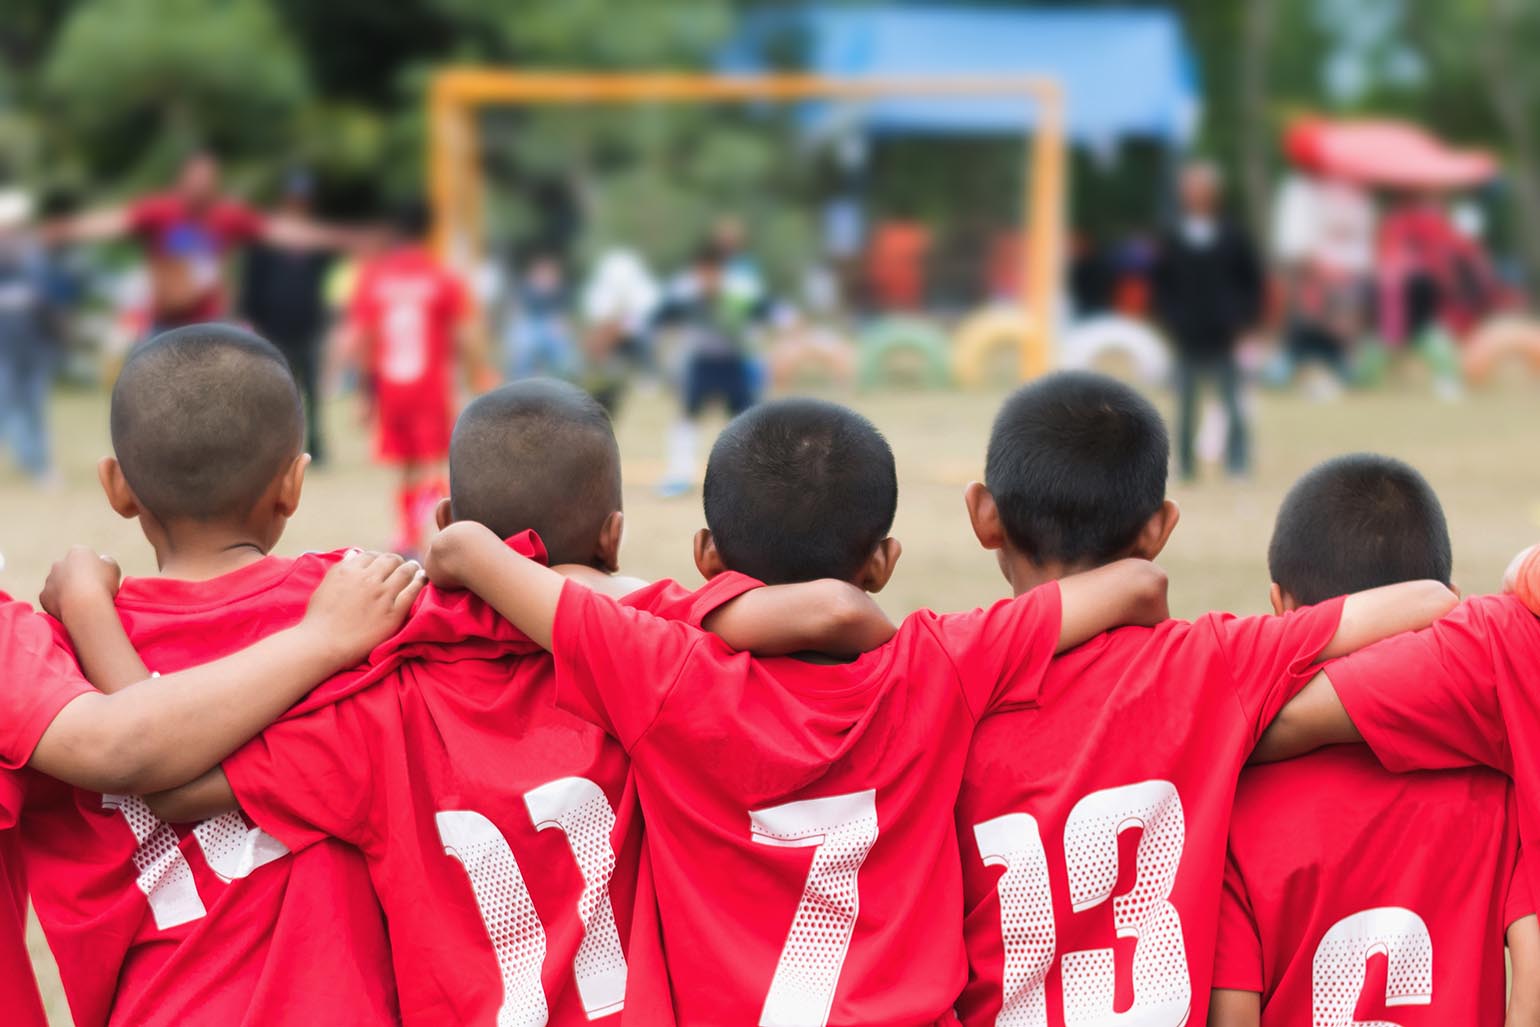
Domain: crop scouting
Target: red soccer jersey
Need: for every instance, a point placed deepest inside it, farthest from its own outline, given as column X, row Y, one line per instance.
column 797, row 815
column 187, row 249
column 1338, row 902
column 38, row 678
column 408, row 306
column 210, row 923
column 1460, row 693
column 502, row 834
column 1093, row 827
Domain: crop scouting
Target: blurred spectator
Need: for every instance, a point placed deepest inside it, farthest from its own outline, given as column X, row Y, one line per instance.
column 186, row 234
column 539, row 333
column 619, row 301
column 283, row 296
column 1208, row 290
column 27, row 345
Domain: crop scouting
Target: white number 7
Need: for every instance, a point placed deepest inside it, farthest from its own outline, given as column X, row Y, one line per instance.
column 841, row 829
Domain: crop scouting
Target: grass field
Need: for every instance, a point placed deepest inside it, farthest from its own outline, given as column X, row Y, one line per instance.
column 1482, row 455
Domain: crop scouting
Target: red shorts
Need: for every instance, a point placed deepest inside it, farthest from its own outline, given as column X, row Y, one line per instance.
column 413, row 430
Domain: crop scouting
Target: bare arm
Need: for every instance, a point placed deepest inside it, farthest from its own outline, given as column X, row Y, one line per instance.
column 1229, row 1008
column 200, row 799
column 1379, row 613
column 303, row 234
column 167, row 730
column 831, row 617
column 1313, row 718
column 1524, row 955
column 91, row 226
column 1118, row 594
column 79, row 593
column 526, row 594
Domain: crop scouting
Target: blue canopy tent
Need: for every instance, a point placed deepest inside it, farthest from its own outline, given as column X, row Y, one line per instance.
column 1126, row 72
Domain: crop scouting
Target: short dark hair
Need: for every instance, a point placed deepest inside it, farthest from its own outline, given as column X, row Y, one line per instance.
column 800, row 489
column 204, row 418
column 1076, row 465
column 1355, row 522
column 537, row 455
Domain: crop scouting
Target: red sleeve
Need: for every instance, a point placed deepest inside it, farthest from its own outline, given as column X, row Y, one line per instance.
column 149, row 215
column 1428, row 700
column 1271, row 657
column 1001, row 651
column 615, row 666
column 239, row 223
column 672, row 601
column 1238, row 952
column 38, row 678
column 310, row 778
column 1521, row 898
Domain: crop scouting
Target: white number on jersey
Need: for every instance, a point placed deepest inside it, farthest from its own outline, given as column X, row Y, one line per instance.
column 841, row 830
column 231, row 849
column 1162, row 987
column 403, row 340
column 1341, row 964
column 578, row 808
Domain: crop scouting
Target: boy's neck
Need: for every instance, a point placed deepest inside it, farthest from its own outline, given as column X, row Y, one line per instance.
column 1025, row 574
column 202, row 552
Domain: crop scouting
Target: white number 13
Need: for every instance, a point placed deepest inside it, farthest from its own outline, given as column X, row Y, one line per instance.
column 1162, row 987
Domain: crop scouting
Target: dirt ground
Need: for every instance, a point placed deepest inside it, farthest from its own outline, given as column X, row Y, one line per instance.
column 1482, row 455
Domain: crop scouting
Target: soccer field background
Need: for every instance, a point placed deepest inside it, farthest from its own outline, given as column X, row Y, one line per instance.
column 1482, row 455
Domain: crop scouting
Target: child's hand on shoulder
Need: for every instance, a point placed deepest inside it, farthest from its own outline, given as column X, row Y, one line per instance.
column 361, row 602
column 452, row 551
column 1522, row 578
column 82, row 577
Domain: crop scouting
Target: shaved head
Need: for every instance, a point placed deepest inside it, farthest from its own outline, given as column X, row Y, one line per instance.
column 541, row 455
column 204, row 419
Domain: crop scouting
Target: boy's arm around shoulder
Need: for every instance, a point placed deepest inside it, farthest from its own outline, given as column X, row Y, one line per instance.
column 468, row 555
column 1230, row 1008
column 198, row 800
column 1316, row 716
column 166, row 731
column 1523, row 937
column 831, row 617
column 1119, row 594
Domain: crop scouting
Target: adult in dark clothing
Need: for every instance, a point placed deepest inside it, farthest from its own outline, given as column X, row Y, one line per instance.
column 1208, row 290
column 283, row 296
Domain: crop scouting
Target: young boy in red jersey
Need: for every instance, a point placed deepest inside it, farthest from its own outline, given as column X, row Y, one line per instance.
column 503, row 835
column 1092, row 826
column 408, row 320
column 796, row 813
column 1337, row 900
column 215, row 922
column 163, row 731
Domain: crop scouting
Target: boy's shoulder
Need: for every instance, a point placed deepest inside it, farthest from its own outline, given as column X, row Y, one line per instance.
column 279, row 578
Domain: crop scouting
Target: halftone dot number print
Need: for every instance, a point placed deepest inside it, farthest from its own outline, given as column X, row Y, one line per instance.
column 1340, row 967
column 579, row 809
column 841, row 829
column 518, row 939
column 1026, row 915
column 164, row 876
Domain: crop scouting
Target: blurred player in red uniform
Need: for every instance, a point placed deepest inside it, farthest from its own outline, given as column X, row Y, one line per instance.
column 409, row 320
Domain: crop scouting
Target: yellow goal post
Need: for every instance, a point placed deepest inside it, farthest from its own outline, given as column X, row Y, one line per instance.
column 456, row 190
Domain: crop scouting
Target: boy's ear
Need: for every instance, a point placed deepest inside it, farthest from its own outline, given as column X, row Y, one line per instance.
column 1281, row 600
column 707, row 559
column 880, row 565
column 119, row 496
column 443, row 513
column 984, row 515
column 291, row 484
column 1157, row 530
column 607, row 553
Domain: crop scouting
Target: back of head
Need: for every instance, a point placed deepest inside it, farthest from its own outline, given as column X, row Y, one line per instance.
column 1077, row 465
column 204, row 419
column 1355, row 522
column 800, row 489
column 537, row 454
